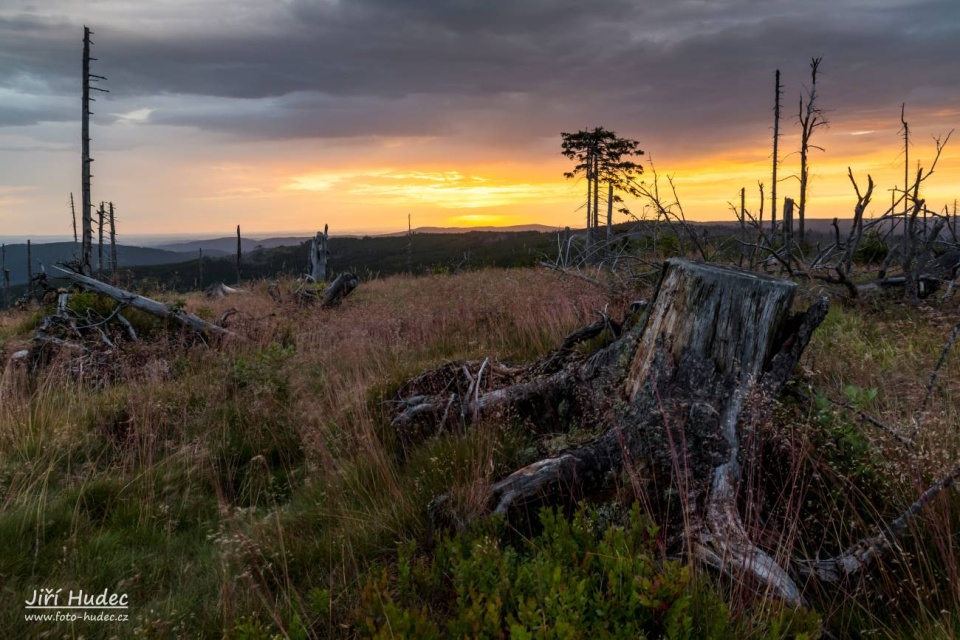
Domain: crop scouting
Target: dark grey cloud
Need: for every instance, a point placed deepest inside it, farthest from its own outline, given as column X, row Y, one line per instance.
column 690, row 71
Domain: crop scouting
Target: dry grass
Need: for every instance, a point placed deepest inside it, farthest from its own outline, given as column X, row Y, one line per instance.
column 263, row 466
column 251, row 484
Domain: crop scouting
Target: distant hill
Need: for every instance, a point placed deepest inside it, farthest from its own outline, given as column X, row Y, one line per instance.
column 541, row 228
column 813, row 225
column 228, row 246
column 367, row 256
column 54, row 252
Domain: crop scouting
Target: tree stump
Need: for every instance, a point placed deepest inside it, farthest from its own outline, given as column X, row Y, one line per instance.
column 671, row 392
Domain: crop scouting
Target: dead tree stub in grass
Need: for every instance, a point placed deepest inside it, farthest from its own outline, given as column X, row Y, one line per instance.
column 671, row 392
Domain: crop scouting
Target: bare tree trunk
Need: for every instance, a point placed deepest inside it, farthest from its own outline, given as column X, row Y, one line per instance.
column 811, row 118
column 588, row 243
column 73, row 213
column 100, row 215
column 776, row 158
column 609, row 218
column 239, row 253
column 29, row 269
column 906, row 179
column 743, row 221
column 85, row 199
column 113, row 244
column 596, row 193
column 6, row 276
column 318, row 256
column 788, row 225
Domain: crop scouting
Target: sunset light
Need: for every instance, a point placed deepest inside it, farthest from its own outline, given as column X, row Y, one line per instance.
column 198, row 146
column 351, row 319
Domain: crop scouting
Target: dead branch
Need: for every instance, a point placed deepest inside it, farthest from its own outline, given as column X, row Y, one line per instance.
column 865, row 552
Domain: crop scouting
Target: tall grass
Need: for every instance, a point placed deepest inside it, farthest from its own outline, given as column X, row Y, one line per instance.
column 246, row 488
column 229, row 487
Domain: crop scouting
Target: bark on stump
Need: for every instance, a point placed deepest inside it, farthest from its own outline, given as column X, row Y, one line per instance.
column 672, row 392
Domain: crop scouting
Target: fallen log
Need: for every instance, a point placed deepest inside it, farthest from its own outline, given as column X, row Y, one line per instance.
column 142, row 303
column 713, row 347
column 342, row 286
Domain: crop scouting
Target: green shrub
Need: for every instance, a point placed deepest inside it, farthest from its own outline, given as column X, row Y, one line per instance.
column 872, row 248
column 575, row 580
column 98, row 306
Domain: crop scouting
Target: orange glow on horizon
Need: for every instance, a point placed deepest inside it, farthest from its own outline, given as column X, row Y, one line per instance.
column 480, row 194
column 272, row 187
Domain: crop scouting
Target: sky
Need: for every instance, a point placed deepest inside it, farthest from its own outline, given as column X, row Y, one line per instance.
column 285, row 115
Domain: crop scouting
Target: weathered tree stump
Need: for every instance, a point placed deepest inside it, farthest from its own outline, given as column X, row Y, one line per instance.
column 671, row 393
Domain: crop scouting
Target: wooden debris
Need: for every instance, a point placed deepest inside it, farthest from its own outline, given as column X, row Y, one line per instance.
column 340, row 288
column 142, row 303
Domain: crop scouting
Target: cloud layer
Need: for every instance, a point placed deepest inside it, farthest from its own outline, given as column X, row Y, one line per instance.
column 688, row 78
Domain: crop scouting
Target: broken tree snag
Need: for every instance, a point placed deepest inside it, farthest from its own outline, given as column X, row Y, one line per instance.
column 318, row 256
column 714, row 343
column 340, row 288
column 142, row 303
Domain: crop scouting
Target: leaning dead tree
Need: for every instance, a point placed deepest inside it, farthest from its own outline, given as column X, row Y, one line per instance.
column 683, row 380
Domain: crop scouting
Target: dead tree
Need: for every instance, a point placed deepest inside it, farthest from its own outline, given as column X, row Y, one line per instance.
column 113, row 243
column 73, row 213
column 609, row 220
column 776, row 157
column 318, row 256
column 589, row 176
column 906, row 162
column 239, row 253
column 29, row 269
column 101, row 214
column 6, row 276
column 811, row 118
column 142, row 303
column 85, row 159
column 788, row 209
